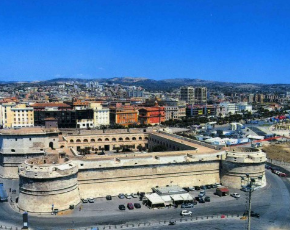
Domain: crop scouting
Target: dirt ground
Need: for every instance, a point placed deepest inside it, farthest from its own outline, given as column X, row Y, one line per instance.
column 279, row 152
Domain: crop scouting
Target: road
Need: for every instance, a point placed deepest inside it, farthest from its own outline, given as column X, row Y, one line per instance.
column 272, row 202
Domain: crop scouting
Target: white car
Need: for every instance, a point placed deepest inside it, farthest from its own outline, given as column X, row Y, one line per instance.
column 128, row 196
column 185, row 213
column 236, row 195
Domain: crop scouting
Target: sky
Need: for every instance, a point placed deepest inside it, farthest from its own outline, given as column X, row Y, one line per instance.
column 222, row 40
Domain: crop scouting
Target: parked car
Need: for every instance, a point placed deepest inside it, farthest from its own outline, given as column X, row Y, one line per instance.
column 253, row 214
column 122, row 207
column 134, row 195
column 268, row 167
column 108, row 197
column 186, row 189
column 281, row 174
column 91, row 200
column 128, row 196
column 208, row 186
column 191, row 188
column 185, row 213
column 245, row 189
column 201, row 200
column 121, row 196
column 201, row 193
column 85, row 200
column 235, row 195
column 195, row 201
column 214, row 185
column 197, row 187
column 130, row 206
column 187, row 205
column 207, row 199
column 137, row 205
column 202, row 187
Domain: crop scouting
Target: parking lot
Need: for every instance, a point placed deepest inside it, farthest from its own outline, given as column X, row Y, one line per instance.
column 102, row 206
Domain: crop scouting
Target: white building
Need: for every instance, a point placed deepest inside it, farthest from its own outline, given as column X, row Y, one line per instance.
column 101, row 114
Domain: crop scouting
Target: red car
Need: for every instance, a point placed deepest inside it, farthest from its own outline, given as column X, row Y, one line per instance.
column 130, row 206
column 281, row 174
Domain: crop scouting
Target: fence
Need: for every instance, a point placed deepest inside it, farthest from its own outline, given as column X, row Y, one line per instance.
column 165, row 222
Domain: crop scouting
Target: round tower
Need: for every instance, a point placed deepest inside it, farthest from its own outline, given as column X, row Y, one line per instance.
column 46, row 184
column 239, row 161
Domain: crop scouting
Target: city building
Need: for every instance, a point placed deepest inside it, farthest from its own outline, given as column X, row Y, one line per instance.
column 187, row 94
column 101, row 114
column 200, row 110
column 152, row 115
column 123, row 115
column 16, row 115
column 200, row 95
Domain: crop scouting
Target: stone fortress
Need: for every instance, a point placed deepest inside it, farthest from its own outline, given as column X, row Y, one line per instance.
column 51, row 169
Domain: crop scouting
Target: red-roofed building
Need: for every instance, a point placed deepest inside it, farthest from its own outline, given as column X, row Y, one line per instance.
column 152, row 115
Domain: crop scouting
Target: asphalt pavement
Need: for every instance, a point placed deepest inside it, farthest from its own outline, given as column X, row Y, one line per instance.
column 271, row 202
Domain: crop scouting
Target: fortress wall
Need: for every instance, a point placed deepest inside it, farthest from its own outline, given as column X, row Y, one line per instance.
column 42, row 185
column 27, row 143
column 231, row 172
column 102, row 182
column 174, row 145
column 9, row 163
column 43, row 202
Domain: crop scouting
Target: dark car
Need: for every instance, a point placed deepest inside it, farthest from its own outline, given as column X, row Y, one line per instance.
column 108, row 197
column 195, row 202
column 186, row 189
column 253, row 214
column 202, row 187
column 214, row 186
column 208, row 186
column 121, row 196
column 201, row 200
column 130, row 206
column 207, row 199
column 137, row 205
column 197, row 187
column 187, row 205
column 122, row 207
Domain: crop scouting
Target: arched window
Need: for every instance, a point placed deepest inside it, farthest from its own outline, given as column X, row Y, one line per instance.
column 93, row 140
column 140, row 138
column 78, row 140
column 71, row 141
column 100, row 139
column 61, row 146
column 107, row 139
column 146, row 138
column 13, row 150
column 127, row 139
column 120, row 139
column 113, row 139
column 134, row 138
column 85, row 140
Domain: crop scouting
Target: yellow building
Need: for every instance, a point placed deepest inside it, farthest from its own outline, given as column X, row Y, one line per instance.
column 13, row 115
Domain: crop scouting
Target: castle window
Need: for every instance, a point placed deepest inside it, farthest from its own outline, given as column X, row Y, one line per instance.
column 13, row 150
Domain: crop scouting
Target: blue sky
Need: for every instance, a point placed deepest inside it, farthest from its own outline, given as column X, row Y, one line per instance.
column 224, row 40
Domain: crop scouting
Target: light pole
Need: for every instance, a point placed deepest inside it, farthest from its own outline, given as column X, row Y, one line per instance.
column 251, row 181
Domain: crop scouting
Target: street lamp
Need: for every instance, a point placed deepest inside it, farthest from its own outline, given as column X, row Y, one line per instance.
column 251, row 181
